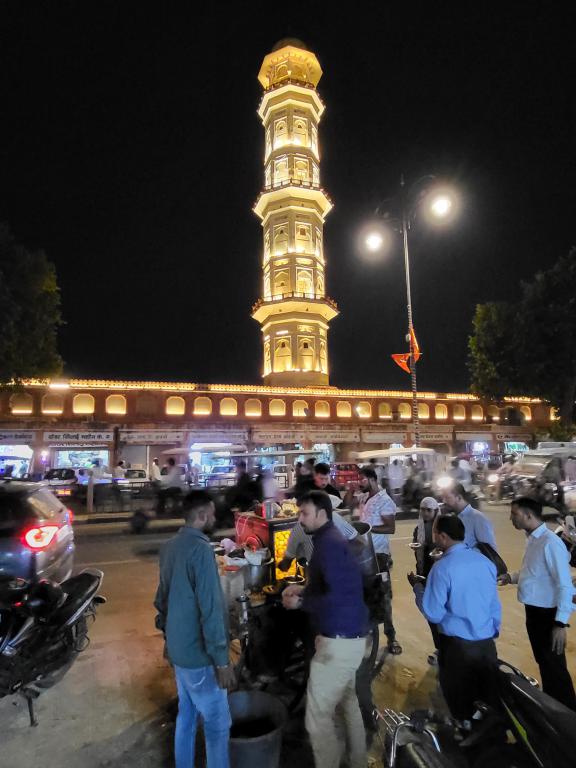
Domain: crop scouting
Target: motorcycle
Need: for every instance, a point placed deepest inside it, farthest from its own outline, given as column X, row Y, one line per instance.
column 527, row 729
column 43, row 628
column 566, row 530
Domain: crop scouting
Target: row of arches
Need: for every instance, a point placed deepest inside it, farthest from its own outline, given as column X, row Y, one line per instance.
column 148, row 405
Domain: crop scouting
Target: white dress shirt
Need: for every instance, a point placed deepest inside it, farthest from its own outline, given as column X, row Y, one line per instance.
column 544, row 579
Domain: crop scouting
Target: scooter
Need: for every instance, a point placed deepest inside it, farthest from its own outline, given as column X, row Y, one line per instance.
column 527, row 729
column 43, row 628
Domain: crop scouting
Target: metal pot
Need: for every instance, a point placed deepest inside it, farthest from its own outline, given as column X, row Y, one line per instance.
column 256, row 577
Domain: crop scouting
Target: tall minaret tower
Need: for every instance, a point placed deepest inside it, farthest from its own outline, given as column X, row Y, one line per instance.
column 294, row 312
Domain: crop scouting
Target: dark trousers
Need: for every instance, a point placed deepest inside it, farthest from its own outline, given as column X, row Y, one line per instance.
column 383, row 566
column 467, row 673
column 556, row 680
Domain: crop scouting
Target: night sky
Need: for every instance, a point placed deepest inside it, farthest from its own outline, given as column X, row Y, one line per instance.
column 131, row 152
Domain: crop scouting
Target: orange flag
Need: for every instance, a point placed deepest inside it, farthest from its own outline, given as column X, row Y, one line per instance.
column 403, row 360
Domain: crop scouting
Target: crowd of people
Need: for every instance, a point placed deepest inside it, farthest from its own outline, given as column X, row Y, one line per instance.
column 457, row 573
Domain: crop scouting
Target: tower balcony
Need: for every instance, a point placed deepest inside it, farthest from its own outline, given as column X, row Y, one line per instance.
column 293, row 189
column 296, row 304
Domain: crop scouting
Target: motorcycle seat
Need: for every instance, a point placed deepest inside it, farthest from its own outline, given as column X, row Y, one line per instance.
column 421, row 754
column 44, row 597
column 547, row 710
column 77, row 590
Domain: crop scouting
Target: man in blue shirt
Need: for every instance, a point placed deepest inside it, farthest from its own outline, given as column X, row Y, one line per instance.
column 477, row 526
column 334, row 598
column 545, row 587
column 193, row 616
column 461, row 598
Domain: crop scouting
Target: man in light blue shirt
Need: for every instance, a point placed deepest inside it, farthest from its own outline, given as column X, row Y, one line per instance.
column 545, row 587
column 461, row 598
column 477, row 526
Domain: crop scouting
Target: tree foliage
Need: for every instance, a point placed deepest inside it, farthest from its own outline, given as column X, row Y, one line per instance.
column 29, row 312
column 529, row 347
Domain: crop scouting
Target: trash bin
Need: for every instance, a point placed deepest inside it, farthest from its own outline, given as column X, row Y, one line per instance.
column 256, row 732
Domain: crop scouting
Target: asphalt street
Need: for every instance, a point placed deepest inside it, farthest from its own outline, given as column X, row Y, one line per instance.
column 117, row 704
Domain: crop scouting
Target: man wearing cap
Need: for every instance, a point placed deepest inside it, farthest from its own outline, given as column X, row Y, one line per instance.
column 423, row 544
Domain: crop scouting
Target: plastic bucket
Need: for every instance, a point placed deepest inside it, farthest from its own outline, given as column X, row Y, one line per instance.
column 256, row 733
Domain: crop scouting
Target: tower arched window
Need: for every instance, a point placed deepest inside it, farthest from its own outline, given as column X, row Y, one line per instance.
column 52, row 404
column 321, row 409
column 384, row 411
column 21, row 404
column 526, row 411
column 299, row 408
column 459, row 412
column 253, row 407
column 202, row 406
column 493, row 412
column 441, row 411
column 277, row 407
column 343, row 409
column 404, row 411
column 228, row 407
column 175, row 406
column 83, row 404
column 477, row 413
column 423, row 411
column 116, row 405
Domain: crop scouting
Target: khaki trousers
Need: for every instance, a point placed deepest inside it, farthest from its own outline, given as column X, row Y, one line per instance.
column 331, row 699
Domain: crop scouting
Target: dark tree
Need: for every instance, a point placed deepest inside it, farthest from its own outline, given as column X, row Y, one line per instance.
column 29, row 312
column 529, row 347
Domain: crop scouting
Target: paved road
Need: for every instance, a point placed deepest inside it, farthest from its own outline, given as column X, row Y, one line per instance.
column 116, row 706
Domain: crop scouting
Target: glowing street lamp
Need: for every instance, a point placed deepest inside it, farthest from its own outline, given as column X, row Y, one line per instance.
column 440, row 206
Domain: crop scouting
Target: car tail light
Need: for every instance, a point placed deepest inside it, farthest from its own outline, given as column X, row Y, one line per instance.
column 70, row 515
column 40, row 537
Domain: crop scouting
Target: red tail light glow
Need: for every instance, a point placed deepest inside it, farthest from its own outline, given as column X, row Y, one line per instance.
column 70, row 516
column 41, row 537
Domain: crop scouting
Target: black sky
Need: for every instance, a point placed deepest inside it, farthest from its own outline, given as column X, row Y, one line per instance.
column 132, row 153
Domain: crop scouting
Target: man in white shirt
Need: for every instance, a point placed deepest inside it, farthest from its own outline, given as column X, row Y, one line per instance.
column 377, row 509
column 545, row 587
column 155, row 471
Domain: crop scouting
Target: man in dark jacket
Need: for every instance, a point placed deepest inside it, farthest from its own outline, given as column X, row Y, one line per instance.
column 318, row 481
column 193, row 616
column 334, row 599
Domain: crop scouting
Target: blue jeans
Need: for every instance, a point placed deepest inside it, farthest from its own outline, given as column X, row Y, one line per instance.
column 199, row 693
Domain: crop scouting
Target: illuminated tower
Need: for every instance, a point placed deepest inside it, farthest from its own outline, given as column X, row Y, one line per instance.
column 294, row 311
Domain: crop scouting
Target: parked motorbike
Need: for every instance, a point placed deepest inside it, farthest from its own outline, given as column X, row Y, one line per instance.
column 526, row 729
column 566, row 530
column 43, row 628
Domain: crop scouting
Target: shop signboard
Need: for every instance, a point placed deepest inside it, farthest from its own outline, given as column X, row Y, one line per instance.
column 474, row 437
column 503, row 437
column 298, row 433
column 218, row 435
column 15, row 438
column 72, row 438
column 152, row 437
column 381, row 436
column 436, row 436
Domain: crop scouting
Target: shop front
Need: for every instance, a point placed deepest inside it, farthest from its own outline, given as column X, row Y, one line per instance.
column 16, row 453
column 78, row 450
column 511, row 441
column 138, row 447
column 326, row 445
column 478, row 444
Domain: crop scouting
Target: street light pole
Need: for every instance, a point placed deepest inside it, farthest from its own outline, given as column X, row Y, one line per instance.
column 405, row 227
